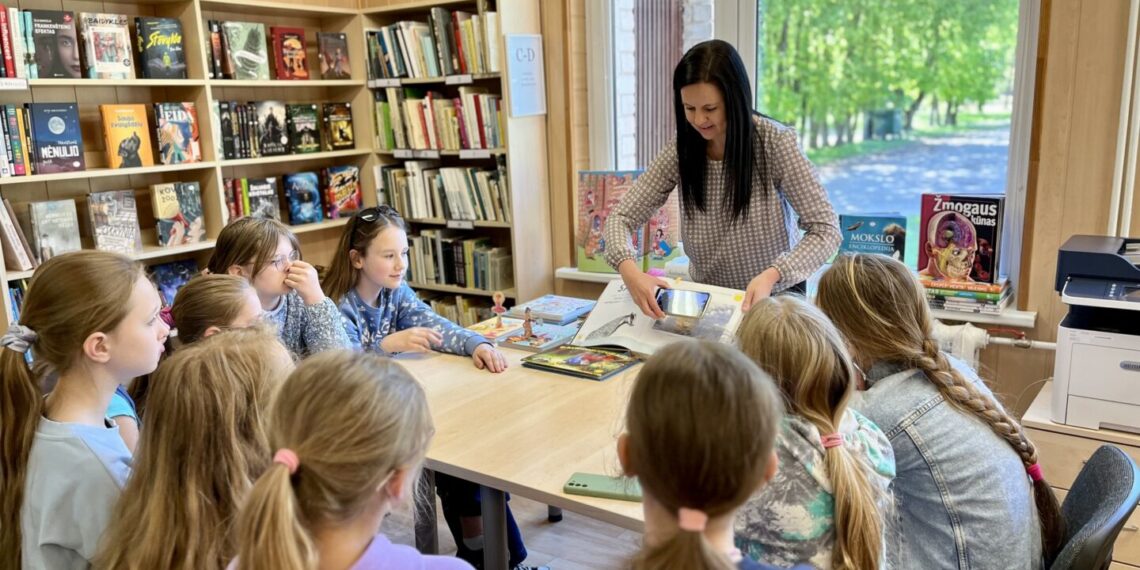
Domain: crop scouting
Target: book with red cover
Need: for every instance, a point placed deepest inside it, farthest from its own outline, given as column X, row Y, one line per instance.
column 6, row 43
column 289, row 61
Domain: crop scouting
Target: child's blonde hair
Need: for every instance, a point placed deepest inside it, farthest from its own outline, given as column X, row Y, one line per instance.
column 795, row 343
column 341, row 276
column 71, row 296
column 249, row 240
column 702, row 421
column 203, row 445
column 880, row 307
column 351, row 419
column 208, row 301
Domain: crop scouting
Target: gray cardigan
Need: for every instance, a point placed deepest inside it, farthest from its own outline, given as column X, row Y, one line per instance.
column 308, row 329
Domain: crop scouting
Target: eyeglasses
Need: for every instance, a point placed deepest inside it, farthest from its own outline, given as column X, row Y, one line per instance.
column 281, row 262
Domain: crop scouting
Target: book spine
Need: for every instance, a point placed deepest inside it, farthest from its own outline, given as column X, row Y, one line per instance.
column 16, row 34
column 29, row 47
column 251, row 116
column 25, row 127
column 6, row 43
column 951, row 293
column 964, row 286
column 15, row 140
column 5, row 157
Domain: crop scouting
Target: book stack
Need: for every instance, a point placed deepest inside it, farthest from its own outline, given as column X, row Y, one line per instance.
column 962, row 297
column 960, row 253
column 272, row 128
column 554, row 309
column 411, row 118
column 308, row 197
column 448, row 43
column 40, row 138
column 425, row 190
column 445, row 257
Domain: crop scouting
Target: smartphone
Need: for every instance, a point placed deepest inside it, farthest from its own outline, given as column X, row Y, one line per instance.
column 682, row 303
column 592, row 485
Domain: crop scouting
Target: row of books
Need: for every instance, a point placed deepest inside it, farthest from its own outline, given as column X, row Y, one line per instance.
column 444, row 257
column 238, row 50
column 449, row 43
column 309, row 198
column 273, row 128
column 41, row 44
column 410, row 118
column 462, row 310
column 966, row 297
column 421, row 189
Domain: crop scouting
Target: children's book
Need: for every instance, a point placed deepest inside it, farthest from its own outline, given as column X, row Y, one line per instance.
column 127, row 136
column 333, row 48
column 553, row 309
column 272, row 139
column 178, row 213
column 177, row 133
column 247, row 51
column 495, row 331
column 598, row 194
column 56, row 44
column 883, row 234
column 303, row 194
column 304, row 129
column 16, row 258
column 289, row 60
column 107, row 46
column 338, row 126
column 543, row 337
column 583, row 362
column 58, row 142
column 160, row 49
column 663, row 233
column 263, row 201
column 55, row 228
column 961, row 237
column 115, row 221
column 342, row 191
column 170, row 277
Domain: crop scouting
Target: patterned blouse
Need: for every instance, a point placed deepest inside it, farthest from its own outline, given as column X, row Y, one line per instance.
column 790, row 520
column 730, row 254
column 307, row 329
column 397, row 310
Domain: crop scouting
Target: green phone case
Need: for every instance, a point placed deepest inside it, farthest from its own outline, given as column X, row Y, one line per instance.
column 592, row 485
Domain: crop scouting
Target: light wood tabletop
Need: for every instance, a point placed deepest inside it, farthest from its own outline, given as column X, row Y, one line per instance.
column 526, row 431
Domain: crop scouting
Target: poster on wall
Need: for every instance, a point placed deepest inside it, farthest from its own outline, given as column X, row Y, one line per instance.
column 527, row 76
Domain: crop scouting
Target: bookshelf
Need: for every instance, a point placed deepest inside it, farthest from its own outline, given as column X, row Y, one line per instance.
column 524, row 149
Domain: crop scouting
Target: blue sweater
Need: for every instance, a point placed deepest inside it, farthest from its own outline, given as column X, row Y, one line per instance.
column 396, row 310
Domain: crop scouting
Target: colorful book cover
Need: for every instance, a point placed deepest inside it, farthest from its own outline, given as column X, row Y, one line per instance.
column 663, row 233
column 496, row 329
column 115, row 221
column 247, row 51
column 961, row 237
column 342, row 191
column 272, row 138
column 263, row 202
column 177, row 133
column 107, row 44
column 127, row 136
column 170, row 277
column 333, row 49
column 178, row 213
column 58, row 141
column 598, row 194
column 590, row 363
column 303, row 194
column 304, row 130
column 56, row 44
column 338, row 126
column 883, row 234
column 289, row 60
column 553, row 308
column 160, row 48
column 55, row 228
column 544, row 337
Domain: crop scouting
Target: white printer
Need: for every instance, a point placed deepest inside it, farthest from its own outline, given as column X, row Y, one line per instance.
column 1096, row 377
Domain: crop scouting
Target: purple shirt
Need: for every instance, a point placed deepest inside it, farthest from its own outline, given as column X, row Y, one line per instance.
column 381, row 554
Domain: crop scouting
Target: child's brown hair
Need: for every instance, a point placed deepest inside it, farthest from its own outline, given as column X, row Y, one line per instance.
column 249, row 240
column 71, row 296
column 795, row 343
column 208, row 301
column 350, row 419
column 204, row 444
column 702, row 421
column 358, row 234
column 880, row 307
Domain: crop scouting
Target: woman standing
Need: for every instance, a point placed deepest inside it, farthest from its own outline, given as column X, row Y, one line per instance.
column 743, row 182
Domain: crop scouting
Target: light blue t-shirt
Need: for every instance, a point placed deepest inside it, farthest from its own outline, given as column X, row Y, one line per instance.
column 75, row 474
column 122, row 405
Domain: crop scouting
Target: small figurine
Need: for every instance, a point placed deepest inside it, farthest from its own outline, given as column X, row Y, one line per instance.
column 498, row 309
column 528, row 325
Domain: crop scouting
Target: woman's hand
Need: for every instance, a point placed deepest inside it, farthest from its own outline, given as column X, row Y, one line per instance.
column 643, row 288
column 415, row 339
column 302, row 278
column 760, row 287
column 489, row 358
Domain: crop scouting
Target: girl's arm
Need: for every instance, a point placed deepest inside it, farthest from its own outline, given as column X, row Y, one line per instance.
column 411, row 312
column 648, row 194
column 351, row 321
column 323, row 329
column 797, row 178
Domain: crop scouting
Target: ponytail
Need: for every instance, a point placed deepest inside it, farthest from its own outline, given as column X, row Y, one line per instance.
column 684, row 550
column 858, row 520
column 271, row 533
column 21, row 405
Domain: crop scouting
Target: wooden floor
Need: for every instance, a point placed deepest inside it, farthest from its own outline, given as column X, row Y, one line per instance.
column 576, row 543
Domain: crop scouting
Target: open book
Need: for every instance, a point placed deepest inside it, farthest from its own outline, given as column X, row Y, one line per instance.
column 617, row 321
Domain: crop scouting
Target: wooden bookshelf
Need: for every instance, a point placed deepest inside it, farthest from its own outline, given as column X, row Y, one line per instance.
column 106, row 172
column 307, row 157
column 287, row 83
column 84, row 82
column 509, row 293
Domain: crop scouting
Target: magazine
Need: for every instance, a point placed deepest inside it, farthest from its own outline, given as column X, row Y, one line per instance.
column 591, row 363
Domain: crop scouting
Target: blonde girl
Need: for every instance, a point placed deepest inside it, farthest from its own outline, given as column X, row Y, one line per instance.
column 969, row 488
column 203, row 446
column 700, row 429
column 268, row 255
column 63, row 463
column 350, row 430
column 827, row 503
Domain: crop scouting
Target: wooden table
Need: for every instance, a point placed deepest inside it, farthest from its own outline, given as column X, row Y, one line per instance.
column 524, row 432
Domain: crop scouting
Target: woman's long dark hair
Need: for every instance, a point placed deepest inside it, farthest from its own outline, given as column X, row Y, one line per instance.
column 717, row 62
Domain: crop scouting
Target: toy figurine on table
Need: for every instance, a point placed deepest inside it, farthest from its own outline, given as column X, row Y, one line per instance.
column 528, row 324
column 498, row 309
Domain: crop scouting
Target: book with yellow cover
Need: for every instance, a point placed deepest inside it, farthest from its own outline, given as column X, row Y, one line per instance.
column 127, row 135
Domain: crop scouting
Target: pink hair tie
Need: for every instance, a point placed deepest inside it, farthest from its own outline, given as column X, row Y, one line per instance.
column 831, row 440
column 288, row 458
column 692, row 520
column 1035, row 473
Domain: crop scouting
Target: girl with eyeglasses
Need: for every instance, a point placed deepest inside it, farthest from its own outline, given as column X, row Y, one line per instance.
column 267, row 254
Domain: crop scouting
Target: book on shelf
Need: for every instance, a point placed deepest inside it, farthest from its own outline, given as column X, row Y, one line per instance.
column 961, row 237
column 555, row 309
column 411, row 118
column 424, row 190
column 881, row 233
column 54, row 227
column 16, row 256
column 543, row 336
column 303, row 197
column 53, row 34
column 337, row 121
column 289, row 59
column 127, row 136
column 599, row 192
column 304, row 128
column 17, row 290
column 107, row 46
column 177, row 133
column 57, row 143
column 332, row 47
column 446, row 257
column 227, row 124
column 214, row 28
column 582, row 362
column 115, row 221
column 459, row 309
column 178, row 213
column 272, row 138
column 160, row 48
column 496, row 329
column 17, row 159
column 168, row 278
column 342, row 195
column 245, row 53
column 7, row 60
column 261, row 197
column 448, row 43
column 998, row 287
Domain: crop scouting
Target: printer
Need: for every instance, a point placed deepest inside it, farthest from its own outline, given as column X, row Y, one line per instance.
column 1096, row 376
